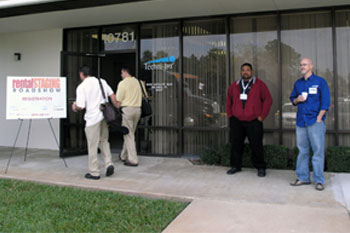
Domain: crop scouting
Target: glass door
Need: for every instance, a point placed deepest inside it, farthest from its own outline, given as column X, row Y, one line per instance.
column 106, row 66
column 72, row 135
column 110, row 67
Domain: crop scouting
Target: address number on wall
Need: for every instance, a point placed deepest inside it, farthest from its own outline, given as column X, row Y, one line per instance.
column 119, row 37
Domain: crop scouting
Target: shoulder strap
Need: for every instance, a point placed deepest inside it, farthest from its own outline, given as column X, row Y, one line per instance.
column 102, row 90
column 143, row 91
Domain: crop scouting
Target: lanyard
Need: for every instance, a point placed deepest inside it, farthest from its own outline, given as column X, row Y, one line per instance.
column 246, row 86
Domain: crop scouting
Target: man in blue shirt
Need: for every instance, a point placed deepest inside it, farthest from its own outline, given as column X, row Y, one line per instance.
column 311, row 95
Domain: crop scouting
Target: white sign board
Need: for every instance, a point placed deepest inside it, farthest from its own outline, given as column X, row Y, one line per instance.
column 36, row 97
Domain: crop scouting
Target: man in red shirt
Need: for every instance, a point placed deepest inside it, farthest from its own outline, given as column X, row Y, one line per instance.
column 248, row 103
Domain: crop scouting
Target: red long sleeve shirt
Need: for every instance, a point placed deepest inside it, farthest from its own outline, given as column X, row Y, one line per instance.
column 258, row 103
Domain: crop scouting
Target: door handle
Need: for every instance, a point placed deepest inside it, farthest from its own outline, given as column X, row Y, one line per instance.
column 95, row 55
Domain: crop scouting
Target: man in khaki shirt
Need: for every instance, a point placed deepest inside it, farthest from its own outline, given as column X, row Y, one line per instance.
column 129, row 98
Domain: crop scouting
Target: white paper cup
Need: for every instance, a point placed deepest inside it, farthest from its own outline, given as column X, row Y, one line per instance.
column 304, row 94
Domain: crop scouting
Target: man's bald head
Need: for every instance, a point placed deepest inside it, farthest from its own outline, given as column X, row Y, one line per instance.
column 306, row 66
column 307, row 60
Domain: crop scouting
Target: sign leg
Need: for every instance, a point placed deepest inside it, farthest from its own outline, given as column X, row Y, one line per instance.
column 53, row 132
column 30, row 126
column 13, row 148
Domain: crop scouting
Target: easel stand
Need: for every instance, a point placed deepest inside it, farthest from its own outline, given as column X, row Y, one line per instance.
column 26, row 150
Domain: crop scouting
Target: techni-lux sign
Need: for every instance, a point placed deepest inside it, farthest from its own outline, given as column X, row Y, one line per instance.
column 165, row 63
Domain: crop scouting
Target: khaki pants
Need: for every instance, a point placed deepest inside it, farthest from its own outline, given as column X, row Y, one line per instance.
column 131, row 117
column 97, row 137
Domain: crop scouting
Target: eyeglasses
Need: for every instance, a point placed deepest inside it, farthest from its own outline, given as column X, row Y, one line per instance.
column 304, row 64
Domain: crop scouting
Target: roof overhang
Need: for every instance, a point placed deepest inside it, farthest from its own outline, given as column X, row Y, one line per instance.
column 5, row 4
column 80, row 13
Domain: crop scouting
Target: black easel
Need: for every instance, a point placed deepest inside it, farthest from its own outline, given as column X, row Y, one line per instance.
column 26, row 150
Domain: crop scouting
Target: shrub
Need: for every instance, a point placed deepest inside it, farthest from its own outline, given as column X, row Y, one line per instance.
column 293, row 158
column 225, row 154
column 338, row 159
column 276, row 156
column 209, row 156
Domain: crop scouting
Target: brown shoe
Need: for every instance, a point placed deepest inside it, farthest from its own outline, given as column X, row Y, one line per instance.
column 127, row 163
column 319, row 187
column 120, row 157
column 299, row 183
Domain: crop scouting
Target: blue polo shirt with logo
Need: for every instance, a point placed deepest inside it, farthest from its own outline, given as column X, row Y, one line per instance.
column 318, row 99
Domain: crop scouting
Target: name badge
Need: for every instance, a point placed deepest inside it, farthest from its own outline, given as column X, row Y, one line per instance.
column 312, row 90
column 243, row 96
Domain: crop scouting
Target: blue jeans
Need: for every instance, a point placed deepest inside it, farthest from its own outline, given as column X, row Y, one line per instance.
column 313, row 135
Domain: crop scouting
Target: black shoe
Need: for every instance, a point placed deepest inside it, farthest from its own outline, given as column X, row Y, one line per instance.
column 89, row 176
column 124, row 130
column 127, row 163
column 110, row 170
column 261, row 172
column 233, row 171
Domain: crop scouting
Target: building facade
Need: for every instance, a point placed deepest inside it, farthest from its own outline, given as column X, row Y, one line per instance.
column 189, row 61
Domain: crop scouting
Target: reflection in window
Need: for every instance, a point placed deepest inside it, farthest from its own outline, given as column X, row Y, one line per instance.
column 305, row 35
column 160, row 69
column 343, row 61
column 195, row 141
column 157, row 141
column 205, row 81
column 254, row 40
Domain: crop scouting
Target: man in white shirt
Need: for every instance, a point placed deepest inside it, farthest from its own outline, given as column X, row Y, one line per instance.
column 89, row 97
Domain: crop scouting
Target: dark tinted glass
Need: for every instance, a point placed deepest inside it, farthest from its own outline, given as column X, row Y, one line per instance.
column 159, row 67
column 343, row 62
column 82, row 40
column 305, row 35
column 254, row 40
column 205, row 81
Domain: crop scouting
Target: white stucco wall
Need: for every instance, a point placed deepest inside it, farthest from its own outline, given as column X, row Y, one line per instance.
column 40, row 52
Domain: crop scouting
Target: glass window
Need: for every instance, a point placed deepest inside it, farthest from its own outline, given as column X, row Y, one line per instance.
column 254, row 40
column 344, row 140
column 72, row 134
column 160, row 69
column 157, row 141
column 194, row 141
column 305, row 35
column 118, row 38
column 205, row 81
column 343, row 61
column 82, row 40
column 271, row 138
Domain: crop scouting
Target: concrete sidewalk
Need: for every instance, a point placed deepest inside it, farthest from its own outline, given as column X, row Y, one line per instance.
column 219, row 203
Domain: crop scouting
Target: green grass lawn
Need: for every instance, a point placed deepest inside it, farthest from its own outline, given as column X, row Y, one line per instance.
column 30, row 207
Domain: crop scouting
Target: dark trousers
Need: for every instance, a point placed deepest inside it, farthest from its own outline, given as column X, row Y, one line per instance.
column 239, row 130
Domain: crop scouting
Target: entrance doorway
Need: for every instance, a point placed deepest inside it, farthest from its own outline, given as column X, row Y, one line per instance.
column 106, row 66
column 110, row 70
